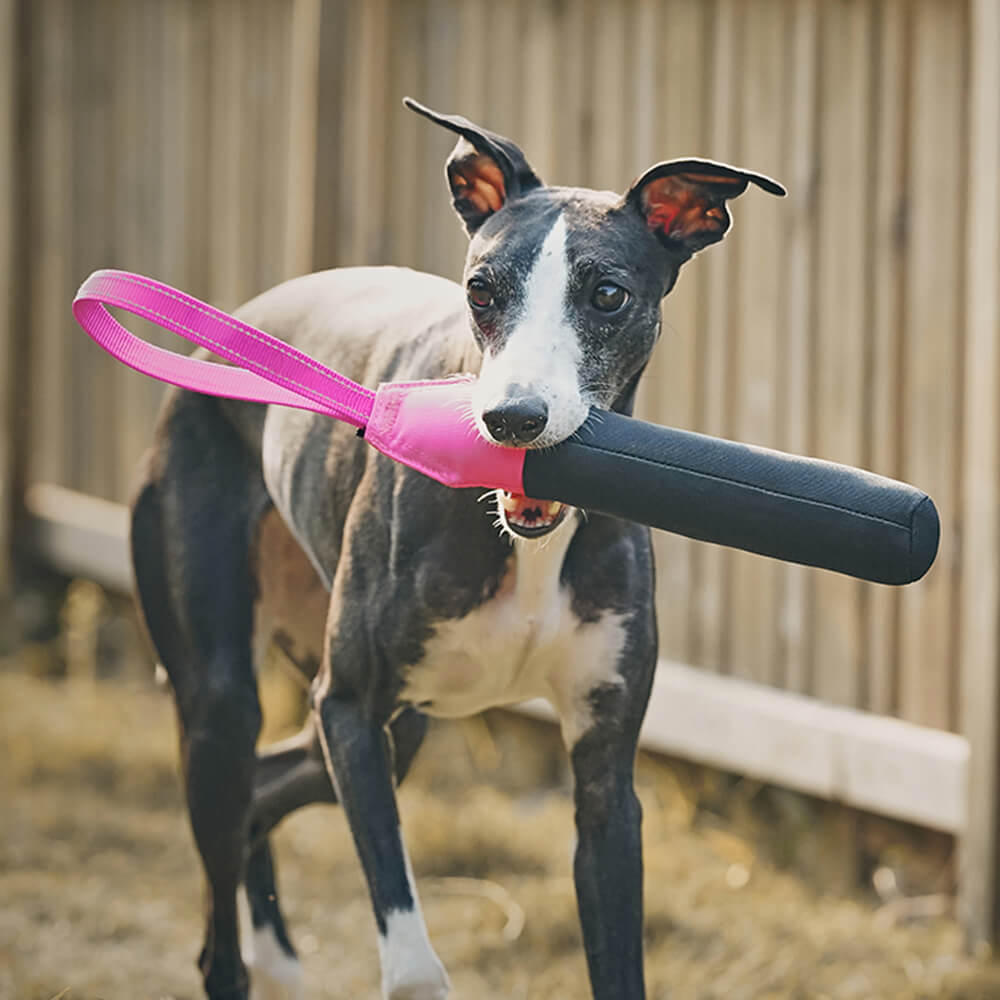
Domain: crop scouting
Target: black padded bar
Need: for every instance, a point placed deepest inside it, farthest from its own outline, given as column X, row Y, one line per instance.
column 802, row 510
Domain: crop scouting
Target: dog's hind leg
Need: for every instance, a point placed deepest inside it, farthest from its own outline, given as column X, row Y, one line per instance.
column 190, row 544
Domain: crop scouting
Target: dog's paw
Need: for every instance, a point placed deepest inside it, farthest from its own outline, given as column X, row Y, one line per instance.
column 410, row 969
column 274, row 974
column 426, row 989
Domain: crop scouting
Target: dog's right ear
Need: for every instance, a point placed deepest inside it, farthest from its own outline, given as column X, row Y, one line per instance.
column 485, row 170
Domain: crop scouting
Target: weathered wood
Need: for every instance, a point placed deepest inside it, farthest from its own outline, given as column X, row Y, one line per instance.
column 366, row 158
column 711, row 602
column 49, row 240
column 329, row 221
column 303, row 123
column 9, row 91
column 80, row 535
column 443, row 243
column 838, row 370
column 757, row 244
column 669, row 121
column 888, row 177
column 847, row 347
column 933, row 347
column 980, row 584
column 227, row 167
column 607, row 100
column 799, row 215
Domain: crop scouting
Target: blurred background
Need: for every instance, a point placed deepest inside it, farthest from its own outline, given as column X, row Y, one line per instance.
column 224, row 146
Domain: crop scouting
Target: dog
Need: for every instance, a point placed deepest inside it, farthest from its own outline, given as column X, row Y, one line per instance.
column 399, row 597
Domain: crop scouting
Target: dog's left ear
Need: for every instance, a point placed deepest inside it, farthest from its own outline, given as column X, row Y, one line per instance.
column 684, row 201
column 485, row 170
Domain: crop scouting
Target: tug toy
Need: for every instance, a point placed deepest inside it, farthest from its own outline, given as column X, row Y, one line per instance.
column 801, row 510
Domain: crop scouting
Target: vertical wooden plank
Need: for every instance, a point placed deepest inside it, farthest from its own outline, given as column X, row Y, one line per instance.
column 444, row 244
column 716, row 374
column 669, row 121
column 247, row 103
column 348, row 111
column 91, row 428
column 303, row 122
column 227, row 168
column 980, row 584
column 14, row 365
column 146, row 220
column 502, row 59
column 887, row 271
column 573, row 124
column 646, row 78
column 369, row 162
column 537, row 137
column 330, row 140
column 933, row 346
column 607, row 98
column 795, row 365
column 50, row 212
column 197, row 49
column 840, row 316
column 409, row 133
column 263, row 207
column 130, row 230
column 756, row 241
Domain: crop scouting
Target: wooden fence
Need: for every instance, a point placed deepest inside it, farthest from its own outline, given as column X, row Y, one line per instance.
column 223, row 146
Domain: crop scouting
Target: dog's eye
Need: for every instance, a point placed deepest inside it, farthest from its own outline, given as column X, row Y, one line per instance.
column 609, row 297
column 480, row 294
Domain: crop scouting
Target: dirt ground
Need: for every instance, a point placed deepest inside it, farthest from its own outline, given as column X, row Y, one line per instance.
column 100, row 886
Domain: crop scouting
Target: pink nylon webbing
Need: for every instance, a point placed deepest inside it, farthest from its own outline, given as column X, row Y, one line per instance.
column 268, row 370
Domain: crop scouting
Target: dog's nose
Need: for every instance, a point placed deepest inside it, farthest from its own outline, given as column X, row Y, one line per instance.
column 518, row 421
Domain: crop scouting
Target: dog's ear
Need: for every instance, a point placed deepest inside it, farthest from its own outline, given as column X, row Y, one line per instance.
column 684, row 201
column 485, row 170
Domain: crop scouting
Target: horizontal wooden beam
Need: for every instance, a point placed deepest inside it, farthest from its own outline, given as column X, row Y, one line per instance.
column 867, row 761
column 80, row 535
column 871, row 762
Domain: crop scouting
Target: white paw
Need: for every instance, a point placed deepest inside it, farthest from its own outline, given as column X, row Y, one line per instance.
column 274, row 974
column 410, row 969
column 433, row 985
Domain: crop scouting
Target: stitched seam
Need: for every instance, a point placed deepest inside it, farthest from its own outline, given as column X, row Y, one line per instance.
column 250, row 332
column 740, row 482
column 178, row 325
column 266, row 339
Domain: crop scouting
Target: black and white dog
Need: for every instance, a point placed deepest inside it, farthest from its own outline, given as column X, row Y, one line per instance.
column 259, row 524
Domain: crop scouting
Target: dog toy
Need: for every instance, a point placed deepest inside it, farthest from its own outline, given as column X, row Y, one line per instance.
column 801, row 510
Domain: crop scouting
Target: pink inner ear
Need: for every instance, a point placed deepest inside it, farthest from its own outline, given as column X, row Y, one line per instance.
column 479, row 180
column 676, row 208
column 661, row 215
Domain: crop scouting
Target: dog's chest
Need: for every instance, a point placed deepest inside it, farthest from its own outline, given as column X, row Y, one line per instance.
column 525, row 642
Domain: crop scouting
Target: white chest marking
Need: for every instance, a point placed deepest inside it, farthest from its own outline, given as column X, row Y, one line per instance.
column 525, row 642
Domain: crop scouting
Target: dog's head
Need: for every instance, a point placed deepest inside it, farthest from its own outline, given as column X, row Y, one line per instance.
column 564, row 284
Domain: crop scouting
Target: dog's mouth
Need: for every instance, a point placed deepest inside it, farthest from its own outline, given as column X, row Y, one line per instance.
column 529, row 518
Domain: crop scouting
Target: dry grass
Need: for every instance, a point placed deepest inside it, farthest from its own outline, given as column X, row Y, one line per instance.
column 101, row 887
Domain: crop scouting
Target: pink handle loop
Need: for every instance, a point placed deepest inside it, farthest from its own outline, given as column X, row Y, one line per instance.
column 268, row 370
column 425, row 425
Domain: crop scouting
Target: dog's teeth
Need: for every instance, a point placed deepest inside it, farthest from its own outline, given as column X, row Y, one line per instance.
column 554, row 507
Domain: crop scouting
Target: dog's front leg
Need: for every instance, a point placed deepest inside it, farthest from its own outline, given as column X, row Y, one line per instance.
column 357, row 753
column 607, row 867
